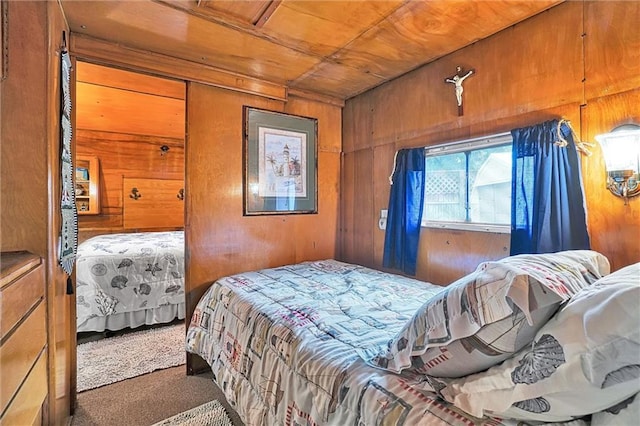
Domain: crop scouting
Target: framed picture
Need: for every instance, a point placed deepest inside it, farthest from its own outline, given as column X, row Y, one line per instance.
column 280, row 163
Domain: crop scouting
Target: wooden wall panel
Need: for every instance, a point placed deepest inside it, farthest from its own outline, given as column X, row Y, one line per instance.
column 614, row 228
column 158, row 204
column 124, row 155
column 517, row 71
column 124, row 118
column 365, row 220
column 358, row 220
column 320, row 231
column 319, row 241
column 30, row 182
column 525, row 74
column 23, row 151
column 219, row 239
column 348, row 212
column 382, row 168
column 358, row 132
column 110, row 109
column 446, row 255
column 612, row 47
column 329, row 121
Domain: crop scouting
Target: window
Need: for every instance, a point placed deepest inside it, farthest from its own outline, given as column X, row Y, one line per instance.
column 468, row 185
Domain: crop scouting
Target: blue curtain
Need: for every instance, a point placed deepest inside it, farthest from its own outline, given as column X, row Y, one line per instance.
column 405, row 211
column 547, row 199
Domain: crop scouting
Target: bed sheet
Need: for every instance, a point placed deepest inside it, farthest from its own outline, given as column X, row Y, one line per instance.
column 123, row 273
column 282, row 345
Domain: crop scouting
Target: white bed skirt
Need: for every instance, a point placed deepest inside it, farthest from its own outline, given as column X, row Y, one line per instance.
column 160, row 315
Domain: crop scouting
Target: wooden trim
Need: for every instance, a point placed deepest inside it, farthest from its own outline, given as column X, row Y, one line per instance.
column 4, row 38
column 100, row 51
column 266, row 14
column 93, row 182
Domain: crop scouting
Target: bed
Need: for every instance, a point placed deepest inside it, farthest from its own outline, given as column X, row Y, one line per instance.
column 331, row 343
column 129, row 280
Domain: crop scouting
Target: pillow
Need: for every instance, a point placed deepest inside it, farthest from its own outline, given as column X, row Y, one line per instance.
column 486, row 316
column 586, row 359
column 626, row 412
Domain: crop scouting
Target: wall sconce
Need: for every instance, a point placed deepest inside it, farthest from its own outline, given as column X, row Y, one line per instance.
column 621, row 150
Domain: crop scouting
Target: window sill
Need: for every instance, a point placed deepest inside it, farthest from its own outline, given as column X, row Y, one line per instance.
column 473, row 227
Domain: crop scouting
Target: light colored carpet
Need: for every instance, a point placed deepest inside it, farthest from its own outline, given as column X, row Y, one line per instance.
column 119, row 358
column 210, row 414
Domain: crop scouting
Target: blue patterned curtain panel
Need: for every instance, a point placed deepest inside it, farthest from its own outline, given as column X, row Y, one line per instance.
column 69, row 219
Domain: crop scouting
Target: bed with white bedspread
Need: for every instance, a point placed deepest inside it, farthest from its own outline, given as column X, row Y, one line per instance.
column 130, row 279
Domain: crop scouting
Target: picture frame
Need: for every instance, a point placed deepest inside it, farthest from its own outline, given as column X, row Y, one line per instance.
column 280, row 153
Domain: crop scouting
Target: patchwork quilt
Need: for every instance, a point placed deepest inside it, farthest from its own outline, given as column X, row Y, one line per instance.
column 119, row 273
column 283, row 345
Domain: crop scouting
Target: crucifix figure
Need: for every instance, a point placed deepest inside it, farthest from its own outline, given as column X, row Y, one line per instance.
column 457, row 80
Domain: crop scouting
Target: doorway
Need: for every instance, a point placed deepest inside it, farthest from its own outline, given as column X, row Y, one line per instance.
column 129, row 165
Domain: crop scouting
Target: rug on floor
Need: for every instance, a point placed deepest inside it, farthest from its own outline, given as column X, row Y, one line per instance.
column 119, row 358
column 209, row 414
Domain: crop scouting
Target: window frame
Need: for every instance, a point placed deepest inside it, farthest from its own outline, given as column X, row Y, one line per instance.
column 465, row 146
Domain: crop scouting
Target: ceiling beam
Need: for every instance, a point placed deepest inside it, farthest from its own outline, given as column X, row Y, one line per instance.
column 266, row 13
column 109, row 53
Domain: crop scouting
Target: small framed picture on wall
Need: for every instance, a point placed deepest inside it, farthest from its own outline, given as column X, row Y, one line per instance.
column 280, row 163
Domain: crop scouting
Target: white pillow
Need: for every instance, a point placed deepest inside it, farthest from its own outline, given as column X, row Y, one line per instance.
column 485, row 317
column 584, row 360
column 624, row 413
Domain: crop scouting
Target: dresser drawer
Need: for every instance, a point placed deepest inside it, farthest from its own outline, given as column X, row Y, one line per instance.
column 20, row 295
column 25, row 409
column 20, row 352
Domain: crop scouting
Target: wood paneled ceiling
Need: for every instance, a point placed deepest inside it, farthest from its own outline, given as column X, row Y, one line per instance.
column 335, row 48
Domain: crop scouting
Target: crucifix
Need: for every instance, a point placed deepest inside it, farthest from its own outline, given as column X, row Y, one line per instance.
column 457, row 80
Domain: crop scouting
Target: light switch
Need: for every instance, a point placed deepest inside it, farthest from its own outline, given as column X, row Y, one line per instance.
column 382, row 222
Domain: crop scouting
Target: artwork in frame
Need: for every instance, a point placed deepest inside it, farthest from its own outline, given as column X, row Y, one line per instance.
column 280, row 163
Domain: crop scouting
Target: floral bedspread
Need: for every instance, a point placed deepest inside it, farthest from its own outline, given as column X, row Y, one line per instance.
column 119, row 273
column 282, row 345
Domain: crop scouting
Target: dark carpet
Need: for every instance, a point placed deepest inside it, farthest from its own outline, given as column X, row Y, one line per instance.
column 148, row 399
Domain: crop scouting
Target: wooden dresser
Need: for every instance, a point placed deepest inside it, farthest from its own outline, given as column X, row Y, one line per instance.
column 23, row 337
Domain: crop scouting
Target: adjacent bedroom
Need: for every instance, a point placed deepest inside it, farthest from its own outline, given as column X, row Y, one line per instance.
column 129, row 191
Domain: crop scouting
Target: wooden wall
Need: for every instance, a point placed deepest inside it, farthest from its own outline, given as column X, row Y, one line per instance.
column 612, row 98
column 123, row 118
column 219, row 239
column 30, row 170
column 586, row 70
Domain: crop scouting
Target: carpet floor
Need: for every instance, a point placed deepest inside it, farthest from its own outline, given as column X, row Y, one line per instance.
column 148, row 399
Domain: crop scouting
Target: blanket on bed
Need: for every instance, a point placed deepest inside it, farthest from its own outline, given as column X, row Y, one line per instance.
column 282, row 344
column 119, row 273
